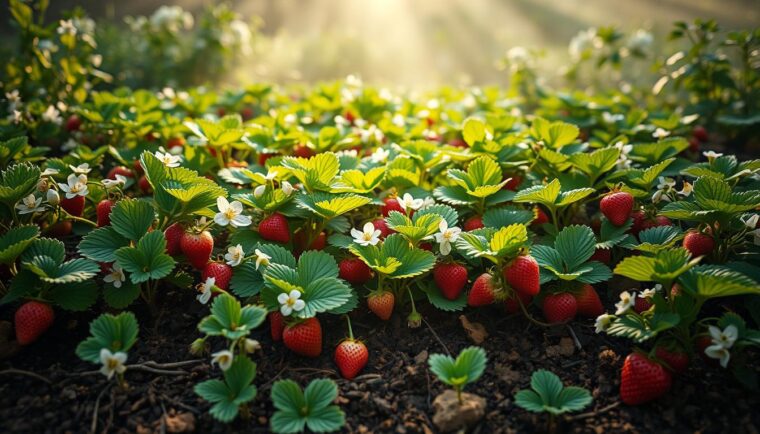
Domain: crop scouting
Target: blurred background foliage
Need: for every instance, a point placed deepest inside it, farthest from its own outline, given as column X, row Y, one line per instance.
column 416, row 44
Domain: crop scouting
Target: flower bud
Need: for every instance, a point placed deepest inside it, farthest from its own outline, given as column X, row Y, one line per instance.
column 52, row 197
column 199, row 346
column 42, row 185
column 258, row 191
column 251, row 345
column 287, row 188
column 414, row 320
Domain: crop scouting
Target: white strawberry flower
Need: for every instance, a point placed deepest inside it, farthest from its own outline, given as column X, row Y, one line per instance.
column 75, row 186
column 82, row 169
column 711, row 155
column 367, row 236
column 290, row 302
column 647, row 293
column 409, row 203
column 286, row 187
column 603, row 322
column 168, row 159
column 446, row 236
column 206, row 289
column 271, row 174
column 751, row 221
column 223, row 359
column 52, row 115
column 718, row 352
column 112, row 183
column 113, row 363
column 70, row 145
column 687, row 189
column 230, row 213
column 52, row 197
column 29, row 204
column 251, row 345
column 380, row 155
column 627, row 301
column 116, row 276
column 234, row 255
column 428, row 201
column 660, row 133
column 261, row 258
column 725, row 337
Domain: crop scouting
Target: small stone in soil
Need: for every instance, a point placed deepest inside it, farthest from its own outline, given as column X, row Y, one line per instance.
column 450, row 415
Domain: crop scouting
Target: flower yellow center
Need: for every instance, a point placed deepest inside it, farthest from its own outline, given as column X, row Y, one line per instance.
column 230, row 213
column 367, row 236
column 291, row 301
column 112, row 364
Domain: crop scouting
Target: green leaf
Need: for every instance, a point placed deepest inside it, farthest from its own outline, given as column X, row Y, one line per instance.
column 75, row 270
column 529, row 400
column 114, row 332
column 246, row 281
column 49, row 247
column 505, row 216
column 328, row 205
column 641, row 268
column 13, row 242
column 147, row 260
column 715, row 281
column 132, row 218
column 554, row 134
column 119, row 298
column 17, row 182
column 326, row 419
column 320, row 393
column 101, row 244
column 439, row 301
column 574, row 398
column 543, row 194
column 76, row 296
column 547, row 385
column 314, row 265
column 508, row 240
column 576, row 244
column 467, row 368
column 639, row 328
column 324, row 294
column 473, row 131
column 548, row 395
column 312, row 409
column 596, row 163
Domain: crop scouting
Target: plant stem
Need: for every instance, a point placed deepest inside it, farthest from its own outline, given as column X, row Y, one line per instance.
column 350, row 329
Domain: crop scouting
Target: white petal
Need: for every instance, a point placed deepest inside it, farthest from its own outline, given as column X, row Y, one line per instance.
column 299, row 305
column 241, row 221
column 222, row 204
column 295, row 294
column 282, row 298
column 285, row 310
column 368, row 228
column 221, row 219
column 445, row 248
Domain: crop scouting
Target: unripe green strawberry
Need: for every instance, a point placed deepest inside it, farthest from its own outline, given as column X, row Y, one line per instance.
column 617, row 207
column 482, row 291
column 197, row 248
column 381, row 303
column 275, row 228
column 559, row 308
column 450, row 278
column 643, row 380
column 32, row 319
column 351, row 356
column 523, row 275
column 304, row 338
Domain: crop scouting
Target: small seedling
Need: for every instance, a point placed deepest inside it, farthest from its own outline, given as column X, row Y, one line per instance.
column 110, row 339
column 457, row 373
column 550, row 396
column 310, row 408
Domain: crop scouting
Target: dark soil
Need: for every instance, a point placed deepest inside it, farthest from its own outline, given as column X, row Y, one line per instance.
column 393, row 394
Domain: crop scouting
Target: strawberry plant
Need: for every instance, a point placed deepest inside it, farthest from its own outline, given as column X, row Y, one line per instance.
column 310, row 408
column 111, row 337
column 548, row 395
column 457, row 373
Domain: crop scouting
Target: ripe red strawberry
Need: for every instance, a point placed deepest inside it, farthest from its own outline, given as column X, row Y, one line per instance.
column 700, row 133
column 655, row 222
column 458, row 142
column 173, row 235
column 513, row 183
column 32, row 319
column 694, row 145
column 303, row 151
column 588, row 302
column 104, row 212
column 560, row 308
column 73, row 206
column 698, row 244
column 121, row 170
column 643, row 380
column 675, row 359
column 304, row 338
column 381, row 226
column 474, row 222
column 73, row 123
column 426, row 246
column 264, row 157
column 351, row 356
column 175, row 142
column 617, row 207
column 221, row 272
column 197, row 247
column 144, row 185
column 602, row 255
column 523, row 275
column 246, row 113
column 482, row 291
column 276, row 325
column 513, row 306
column 641, row 304
column 450, row 279
column 275, row 228
column 540, row 218
column 391, row 204
column 354, row 270
column 639, row 216
column 381, row 303
column 59, row 229
column 137, row 166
